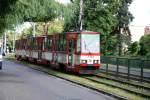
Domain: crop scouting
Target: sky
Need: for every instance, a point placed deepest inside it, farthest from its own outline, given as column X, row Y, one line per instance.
column 141, row 12
column 63, row 1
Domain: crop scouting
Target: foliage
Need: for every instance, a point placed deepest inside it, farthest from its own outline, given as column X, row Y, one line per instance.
column 99, row 15
column 71, row 16
column 5, row 6
column 56, row 27
column 41, row 28
column 145, row 45
column 124, row 18
column 26, row 32
column 133, row 48
column 52, row 27
column 9, row 39
column 18, row 11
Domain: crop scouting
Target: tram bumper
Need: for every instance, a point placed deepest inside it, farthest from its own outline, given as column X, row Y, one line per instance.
column 88, row 68
column 87, row 71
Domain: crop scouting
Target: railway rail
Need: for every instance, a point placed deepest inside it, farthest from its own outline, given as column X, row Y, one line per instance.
column 124, row 81
column 126, row 86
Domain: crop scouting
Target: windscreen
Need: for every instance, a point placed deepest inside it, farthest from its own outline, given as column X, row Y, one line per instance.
column 90, row 43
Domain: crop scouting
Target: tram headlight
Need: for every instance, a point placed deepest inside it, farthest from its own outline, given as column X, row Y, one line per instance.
column 84, row 61
column 95, row 61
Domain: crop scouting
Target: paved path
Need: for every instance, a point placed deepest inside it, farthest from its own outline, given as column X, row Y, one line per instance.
column 18, row 82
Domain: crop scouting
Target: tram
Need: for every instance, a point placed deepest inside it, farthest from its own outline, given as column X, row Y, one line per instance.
column 77, row 52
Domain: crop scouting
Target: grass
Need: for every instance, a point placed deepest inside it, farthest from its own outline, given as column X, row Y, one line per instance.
column 9, row 57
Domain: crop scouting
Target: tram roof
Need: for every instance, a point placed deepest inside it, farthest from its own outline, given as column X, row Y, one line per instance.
column 82, row 32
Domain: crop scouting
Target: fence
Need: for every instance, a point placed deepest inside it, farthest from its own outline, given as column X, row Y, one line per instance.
column 128, row 66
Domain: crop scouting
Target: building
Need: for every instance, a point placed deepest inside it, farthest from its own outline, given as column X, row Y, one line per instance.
column 147, row 30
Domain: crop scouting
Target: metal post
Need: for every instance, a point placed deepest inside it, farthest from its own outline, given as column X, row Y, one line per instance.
column 117, row 59
column 106, row 68
column 4, row 43
column 80, row 15
column 128, row 69
column 141, row 65
column 14, row 38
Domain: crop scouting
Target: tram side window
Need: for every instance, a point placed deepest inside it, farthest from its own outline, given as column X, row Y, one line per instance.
column 16, row 45
column 71, row 45
column 36, row 45
column 50, row 44
column 25, row 44
column 61, row 44
column 28, row 44
column 40, row 46
column 64, row 44
column 32, row 46
column 22, row 46
column 32, row 42
column 79, row 43
column 57, row 43
column 46, row 43
column 43, row 46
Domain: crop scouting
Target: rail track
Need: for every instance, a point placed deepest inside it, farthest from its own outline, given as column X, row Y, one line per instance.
column 134, row 88
column 124, row 81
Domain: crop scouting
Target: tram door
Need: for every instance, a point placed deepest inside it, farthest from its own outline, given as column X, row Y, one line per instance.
column 71, row 51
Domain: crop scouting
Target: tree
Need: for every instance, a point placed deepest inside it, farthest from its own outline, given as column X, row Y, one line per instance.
column 41, row 28
column 124, row 18
column 106, row 16
column 71, row 16
column 5, row 6
column 18, row 11
column 97, row 16
column 133, row 48
column 145, row 45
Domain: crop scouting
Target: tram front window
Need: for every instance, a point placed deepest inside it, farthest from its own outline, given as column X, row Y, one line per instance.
column 90, row 43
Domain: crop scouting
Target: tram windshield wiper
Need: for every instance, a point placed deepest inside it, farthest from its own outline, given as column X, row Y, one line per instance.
column 85, row 46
